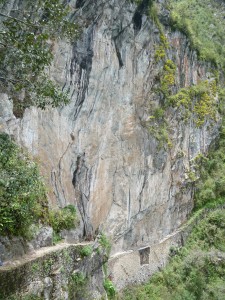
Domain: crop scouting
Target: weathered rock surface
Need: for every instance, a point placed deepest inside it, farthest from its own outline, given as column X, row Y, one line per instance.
column 97, row 152
column 43, row 237
column 135, row 266
column 15, row 247
column 54, row 273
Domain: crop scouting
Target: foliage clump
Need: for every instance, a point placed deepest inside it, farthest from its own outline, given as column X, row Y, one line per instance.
column 27, row 39
column 210, row 189
column 109, row 288
column 158, row 125
column 65, row 218
column 168, row 77
column 86, row 251
column 77, row 286
column 160, row 50
column 104, row 243
column 22, row 193
column 23, row 198
column 198, row 99
column 203, row 22
column 159, row 130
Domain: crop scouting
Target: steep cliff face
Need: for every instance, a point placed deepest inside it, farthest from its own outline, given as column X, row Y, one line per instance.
column 98, row 152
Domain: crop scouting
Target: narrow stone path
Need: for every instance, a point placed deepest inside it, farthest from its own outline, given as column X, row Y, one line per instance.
column 11, row 264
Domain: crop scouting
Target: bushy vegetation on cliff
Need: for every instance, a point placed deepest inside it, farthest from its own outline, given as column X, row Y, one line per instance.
column 28, row 33
column 22, row 193
column 210, row 188
column 197, row 271
column 203, row 22
column 23, row 198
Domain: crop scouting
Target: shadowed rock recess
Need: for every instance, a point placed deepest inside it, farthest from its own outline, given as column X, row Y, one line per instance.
column 98, row 152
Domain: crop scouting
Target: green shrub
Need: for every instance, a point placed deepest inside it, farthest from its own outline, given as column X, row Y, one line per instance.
column 56, row 237
column 168, row 77
column 65, row 218
column 160, row 132
column 109, row 288
column 198, row 100
column 78, row 279
column 153, row 14
column 210, row 232
column 210, row 188
column 22, row 192
column 159, row 113
column 86, row 251
column 105, row 243
column 77, row 286
column 23, row 198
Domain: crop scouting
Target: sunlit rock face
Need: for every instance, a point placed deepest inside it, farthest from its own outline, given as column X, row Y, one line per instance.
column 97, row 152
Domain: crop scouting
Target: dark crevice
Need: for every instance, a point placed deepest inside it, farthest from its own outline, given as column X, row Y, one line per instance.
column 137, row 21
column 81, row 66
column 81, row 187
column 144, row 6
column 144, row 256
column 80, row 3
column 77, row 170
column 118, row 40
column 81, row 62
column 142, row 9
column 119, row 56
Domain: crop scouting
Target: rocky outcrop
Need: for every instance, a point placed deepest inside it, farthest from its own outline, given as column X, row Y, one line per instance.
column 14, row 247
column 59, row 272
column 98, row 152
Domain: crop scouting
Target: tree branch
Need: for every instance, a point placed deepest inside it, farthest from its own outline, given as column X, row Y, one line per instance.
column 18, row 20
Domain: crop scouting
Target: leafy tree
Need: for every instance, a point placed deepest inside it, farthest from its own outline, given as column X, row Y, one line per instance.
column 23, row 199
column 27, row 35
column 22, row 193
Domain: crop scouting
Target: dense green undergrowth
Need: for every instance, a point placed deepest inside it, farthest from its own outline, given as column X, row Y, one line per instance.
column 203, row 22
column 210, row 188
column 22, row 193
column 23, row 200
